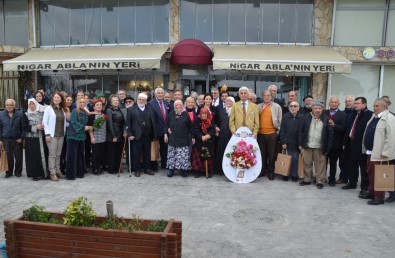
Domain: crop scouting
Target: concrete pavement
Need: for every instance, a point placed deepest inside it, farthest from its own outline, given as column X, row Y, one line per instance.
column 223, row 219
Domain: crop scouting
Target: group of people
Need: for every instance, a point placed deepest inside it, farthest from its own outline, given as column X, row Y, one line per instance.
column 63, row 138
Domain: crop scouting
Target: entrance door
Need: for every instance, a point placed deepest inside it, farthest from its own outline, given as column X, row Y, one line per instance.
column 200, row 85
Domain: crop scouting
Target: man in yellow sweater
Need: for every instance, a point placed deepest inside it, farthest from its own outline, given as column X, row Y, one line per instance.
column 270, row 115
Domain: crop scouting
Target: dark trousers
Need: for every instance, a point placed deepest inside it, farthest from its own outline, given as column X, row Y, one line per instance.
column 140, row 147
column 334, row 156
column 163, row 152
column 98, row 151
column 76, row 159
column 62, row 156
column 88, row 150
column 268, row 145
column 114, row 154
column 14, row 151
column 356, row 167
column 343, row 167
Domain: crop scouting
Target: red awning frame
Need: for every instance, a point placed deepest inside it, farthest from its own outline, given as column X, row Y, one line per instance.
column 192, row 52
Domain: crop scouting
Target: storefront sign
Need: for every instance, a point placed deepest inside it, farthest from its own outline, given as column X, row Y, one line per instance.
column 272, row 67
column 79, row 66
column 369, row 53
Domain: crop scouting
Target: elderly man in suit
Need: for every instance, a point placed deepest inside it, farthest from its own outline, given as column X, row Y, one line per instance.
column 141, row 128
column 161, row 110
column 245, row 114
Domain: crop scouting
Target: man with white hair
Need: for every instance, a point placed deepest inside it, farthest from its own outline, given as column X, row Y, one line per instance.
column 161, row 110
column 273, row 91
column 12, row 133
column 141, row 129
column 245, row 113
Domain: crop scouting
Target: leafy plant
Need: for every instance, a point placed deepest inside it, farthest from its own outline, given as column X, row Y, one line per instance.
column 36, row 213
column 157, row 226
column 80, row 213
column 114, row 222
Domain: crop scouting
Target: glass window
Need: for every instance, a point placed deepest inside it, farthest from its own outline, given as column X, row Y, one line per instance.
column 47, row 21
column 127, row 21
column 188, row 19
column 161, row 21
column 287, row 21
column 144, row 18
column 389, row 84
column 1, row 25
column 252, row 11
column 93, row 22
column 391, row 26
column 204, row 21
column 110, row 22
column 220, row 21
column 270, row 18
column 77, row 22
column 61, row 23
column 363, row 81
column 16, row 22
column 110, row 84
column 304, row 21
column 237, row 21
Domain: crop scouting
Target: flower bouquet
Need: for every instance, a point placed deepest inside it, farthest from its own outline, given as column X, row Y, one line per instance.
column 243, row 155
column 99, row 120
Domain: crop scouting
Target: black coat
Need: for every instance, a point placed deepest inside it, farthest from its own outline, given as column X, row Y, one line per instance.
column 326, row 135
column 355, row 146
column 134, row 126
column 181, row 129
column 340, row 120
column 198, row 135
column 115, row 124
column 291, row 130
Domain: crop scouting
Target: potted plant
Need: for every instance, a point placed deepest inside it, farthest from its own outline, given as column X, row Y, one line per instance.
column 80, row 232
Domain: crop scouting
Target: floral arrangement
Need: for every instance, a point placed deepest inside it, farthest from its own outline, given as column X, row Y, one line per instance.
column 243, row 155
column 99, row 120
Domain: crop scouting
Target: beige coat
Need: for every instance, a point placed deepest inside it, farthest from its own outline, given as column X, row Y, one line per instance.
column 277, row 114
column 384, row 138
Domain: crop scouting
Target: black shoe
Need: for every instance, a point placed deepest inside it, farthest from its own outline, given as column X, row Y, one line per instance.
column 294, row 179
column 149, row 172
column 8, row 175
column 170, row 173
column 210, row 175
column 349, row 186
column 376, row 202
column 197, row 174
column 183, row 173
column 332, row 183
column 35, row 179
column 320, row 186
column 271, row 176
column 365, row 195
column 285, row 178
column 303, row 183
column 18, row 175
column 262, row 174
column 111, row 172
column 315, row 181
column 137, row 173
column 390, row 199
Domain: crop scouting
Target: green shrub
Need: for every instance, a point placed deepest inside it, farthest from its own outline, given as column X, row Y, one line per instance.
column 157, row 226
column 80, row 213
column 119, row 223
column 36, row 213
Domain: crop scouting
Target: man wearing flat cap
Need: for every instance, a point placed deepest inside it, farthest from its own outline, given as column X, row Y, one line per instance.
column 316, row 139
column 141, row 130
column 308, row 101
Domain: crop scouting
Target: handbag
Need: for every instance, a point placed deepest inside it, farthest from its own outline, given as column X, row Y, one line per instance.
column 384, row 177
column 283, row 163
column 3, row 159
column 300, row 166
column 154, row 150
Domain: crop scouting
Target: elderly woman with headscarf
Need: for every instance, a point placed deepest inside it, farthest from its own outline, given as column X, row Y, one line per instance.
column 178, row 128
column 34, row 144
column 202, row 151
column 224, row 133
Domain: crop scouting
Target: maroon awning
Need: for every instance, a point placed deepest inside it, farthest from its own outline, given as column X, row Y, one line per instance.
column 191, row 51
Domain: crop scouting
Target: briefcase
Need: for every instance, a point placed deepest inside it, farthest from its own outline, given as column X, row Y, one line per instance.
column 384, row 177
column 300, row 166
column 3, row 159
column 283, row 163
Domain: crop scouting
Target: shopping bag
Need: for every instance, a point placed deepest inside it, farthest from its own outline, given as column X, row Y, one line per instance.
column 384, row 177
column 300, row 166
column 3, row 159
column 154, row 150
column 283, row 163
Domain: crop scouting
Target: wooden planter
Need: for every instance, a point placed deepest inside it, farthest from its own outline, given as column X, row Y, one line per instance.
column 34, row 239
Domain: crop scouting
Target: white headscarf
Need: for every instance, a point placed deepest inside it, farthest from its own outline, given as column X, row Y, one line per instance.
column 228, row 109
column 39, row 108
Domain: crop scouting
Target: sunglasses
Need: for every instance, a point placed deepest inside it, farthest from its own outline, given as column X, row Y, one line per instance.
column 293, row 106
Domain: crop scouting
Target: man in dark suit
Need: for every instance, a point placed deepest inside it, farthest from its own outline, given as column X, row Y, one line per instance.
column 353, row 145
column 141, row 131
column 161, row 110
column 217, row 101
column 337, row 120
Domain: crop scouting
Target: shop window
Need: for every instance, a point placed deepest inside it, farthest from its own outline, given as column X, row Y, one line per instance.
column 391, row 25
column 14, row 22
column 105, row 22
column 389, row 83
column 249, row 21
column 364, row 18
column 363, row 81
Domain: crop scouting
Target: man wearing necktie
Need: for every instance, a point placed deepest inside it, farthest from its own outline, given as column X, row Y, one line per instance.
column 245, row 114
column 161, row 110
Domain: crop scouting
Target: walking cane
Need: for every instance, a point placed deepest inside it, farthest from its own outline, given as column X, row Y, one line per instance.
column 130, row 165
column 206, row 163
column 120, row 163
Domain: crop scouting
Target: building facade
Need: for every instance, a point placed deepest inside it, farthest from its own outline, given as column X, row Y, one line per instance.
column 317, row 47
